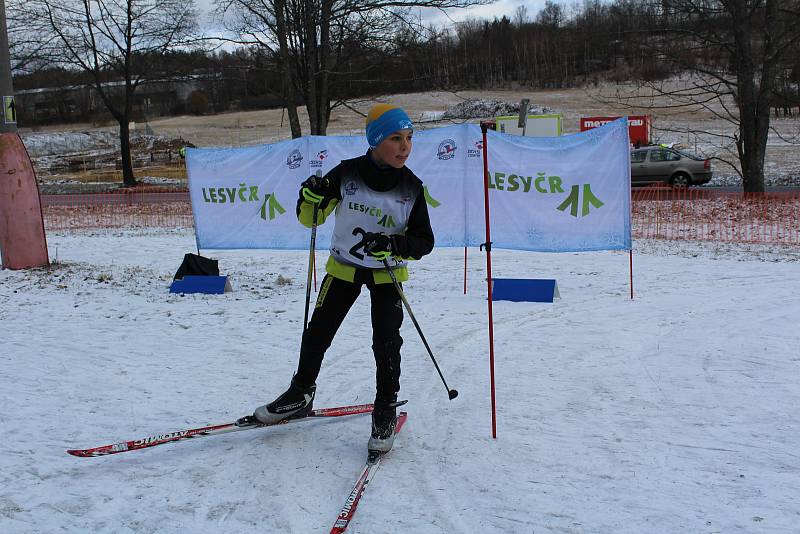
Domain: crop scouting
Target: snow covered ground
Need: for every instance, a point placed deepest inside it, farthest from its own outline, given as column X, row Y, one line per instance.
column 672, row 412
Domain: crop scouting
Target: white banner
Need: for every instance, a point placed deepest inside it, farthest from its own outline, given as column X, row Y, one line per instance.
column 567, row 193
column 557, row 194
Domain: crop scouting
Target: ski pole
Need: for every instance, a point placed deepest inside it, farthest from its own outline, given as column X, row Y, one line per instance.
column 452, row 393
column 311, row 258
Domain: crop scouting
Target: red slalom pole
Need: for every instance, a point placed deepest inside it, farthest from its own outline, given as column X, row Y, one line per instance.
column 488, row 244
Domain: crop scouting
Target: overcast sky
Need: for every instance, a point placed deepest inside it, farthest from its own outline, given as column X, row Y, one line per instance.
column 497, row 9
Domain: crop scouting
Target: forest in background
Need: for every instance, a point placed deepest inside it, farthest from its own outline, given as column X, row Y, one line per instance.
column 587, row 44
column 743, row 57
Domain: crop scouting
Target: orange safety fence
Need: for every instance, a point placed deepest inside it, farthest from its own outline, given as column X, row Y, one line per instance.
column 708, row 215
column 699, row 214
column 128, row 208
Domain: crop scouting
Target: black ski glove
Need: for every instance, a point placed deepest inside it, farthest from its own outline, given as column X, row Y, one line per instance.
column 379, row 246
column 316, row 190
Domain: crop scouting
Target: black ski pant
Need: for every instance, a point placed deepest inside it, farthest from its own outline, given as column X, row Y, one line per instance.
column 335, row 299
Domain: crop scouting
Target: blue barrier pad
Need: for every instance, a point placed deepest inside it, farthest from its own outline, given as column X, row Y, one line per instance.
column 213, row 285
column 524, row 289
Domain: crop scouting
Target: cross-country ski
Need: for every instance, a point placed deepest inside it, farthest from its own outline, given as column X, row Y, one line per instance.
column 374, row 459
column 244, row 423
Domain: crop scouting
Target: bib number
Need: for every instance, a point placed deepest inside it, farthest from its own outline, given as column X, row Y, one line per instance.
column 360, row 245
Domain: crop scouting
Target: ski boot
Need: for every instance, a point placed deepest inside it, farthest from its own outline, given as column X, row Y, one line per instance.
column 384, row 420
column 296, row 402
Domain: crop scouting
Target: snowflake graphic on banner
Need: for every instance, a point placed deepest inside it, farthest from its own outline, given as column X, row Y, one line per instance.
column 614, row 239
column 449, row 240
column 533, row 234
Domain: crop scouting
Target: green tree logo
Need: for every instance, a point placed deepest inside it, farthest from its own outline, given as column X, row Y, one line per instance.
column 572, row 201
column 272, row 202
column 387, row 222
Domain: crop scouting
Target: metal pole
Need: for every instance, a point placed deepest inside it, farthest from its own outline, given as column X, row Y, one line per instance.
column 523, row 115
column 9, row 122
column 311, row 257
column 465, row 270
column 311, row 249
column 488, row 245
column 452, row 393
column 630, row 255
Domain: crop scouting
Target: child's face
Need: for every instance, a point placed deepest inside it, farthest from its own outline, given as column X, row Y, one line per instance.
column 395, row 149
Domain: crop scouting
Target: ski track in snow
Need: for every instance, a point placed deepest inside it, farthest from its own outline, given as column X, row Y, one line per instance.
column 672, row 412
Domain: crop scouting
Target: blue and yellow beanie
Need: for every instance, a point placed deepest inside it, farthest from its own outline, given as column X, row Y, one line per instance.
column 383, row 120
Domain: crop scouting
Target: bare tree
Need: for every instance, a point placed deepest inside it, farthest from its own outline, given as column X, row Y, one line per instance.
column 27, row 40
column 520, row 16
column 118, row 43
column 551, row 15
column 311, row 40
column 734, row 51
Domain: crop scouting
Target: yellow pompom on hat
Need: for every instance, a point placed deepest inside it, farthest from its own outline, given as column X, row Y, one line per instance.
column 383, row 120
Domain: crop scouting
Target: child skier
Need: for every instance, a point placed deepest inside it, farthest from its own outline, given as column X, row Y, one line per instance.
column 380, row 214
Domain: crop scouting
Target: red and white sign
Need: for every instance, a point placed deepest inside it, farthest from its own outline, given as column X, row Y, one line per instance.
column 638, row 127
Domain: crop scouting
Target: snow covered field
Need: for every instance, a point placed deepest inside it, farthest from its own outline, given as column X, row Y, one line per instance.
column 673, row 412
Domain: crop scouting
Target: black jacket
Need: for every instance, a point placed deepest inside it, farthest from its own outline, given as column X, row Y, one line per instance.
column 417, row 240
